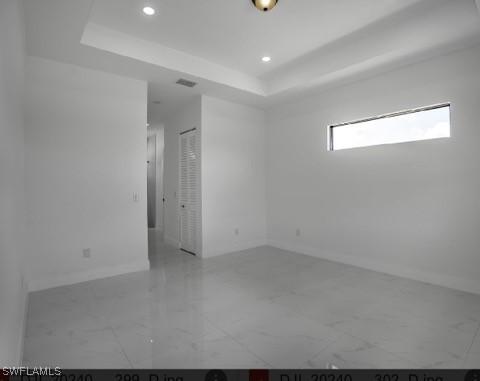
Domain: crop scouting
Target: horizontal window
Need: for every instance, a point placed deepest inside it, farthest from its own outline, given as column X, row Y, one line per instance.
column 420, row 124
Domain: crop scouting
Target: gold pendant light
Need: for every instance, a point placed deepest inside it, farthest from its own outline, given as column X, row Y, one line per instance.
column 264, row 5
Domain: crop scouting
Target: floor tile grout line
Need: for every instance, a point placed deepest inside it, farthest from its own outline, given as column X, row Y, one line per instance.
column 471, row 344
column 347, row 333
column 324, row 349
column 400, row 357
column 238, row 342
column 299, row 315
column 121, row 347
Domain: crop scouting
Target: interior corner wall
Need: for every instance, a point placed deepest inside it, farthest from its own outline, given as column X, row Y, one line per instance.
column 13, row 293
column 186, row 117
column 410, row 209
column 86, row 156
column 233, row 177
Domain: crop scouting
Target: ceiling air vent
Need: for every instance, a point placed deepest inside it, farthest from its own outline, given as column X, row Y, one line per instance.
column 186, row 82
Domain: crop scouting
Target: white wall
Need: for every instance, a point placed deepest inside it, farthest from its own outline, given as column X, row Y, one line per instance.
column 186, row 117
column 410, row 209
column 86, row 156
column 12, row 235
column 233, row 177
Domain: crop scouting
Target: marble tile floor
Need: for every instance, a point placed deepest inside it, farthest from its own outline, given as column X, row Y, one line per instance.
column 258, row 308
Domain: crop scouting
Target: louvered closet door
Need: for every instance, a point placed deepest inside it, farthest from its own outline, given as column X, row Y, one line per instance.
column 188, row 191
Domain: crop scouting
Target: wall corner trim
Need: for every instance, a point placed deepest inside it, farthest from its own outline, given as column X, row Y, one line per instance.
column 436, row 279
column 85, row 276
column 241, row 246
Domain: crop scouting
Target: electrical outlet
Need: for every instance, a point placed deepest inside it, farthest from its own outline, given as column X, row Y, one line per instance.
column 298, row 233
column 87, row 253
column 136, row 197
column 237, row 231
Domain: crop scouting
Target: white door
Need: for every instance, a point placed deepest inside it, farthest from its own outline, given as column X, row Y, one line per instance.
column 188, row 191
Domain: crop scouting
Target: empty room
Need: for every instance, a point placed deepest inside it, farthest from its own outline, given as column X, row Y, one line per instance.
column 239, row 184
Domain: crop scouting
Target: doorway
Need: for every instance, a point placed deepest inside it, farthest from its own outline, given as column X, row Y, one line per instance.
column 151, row 180
column 155, row 174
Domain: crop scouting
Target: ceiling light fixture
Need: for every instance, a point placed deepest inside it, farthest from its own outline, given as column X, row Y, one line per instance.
column 149, row 11
column 266, row 59
column 264, row 5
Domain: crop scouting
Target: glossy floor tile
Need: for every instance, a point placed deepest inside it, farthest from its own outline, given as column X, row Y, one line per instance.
column 258, row 308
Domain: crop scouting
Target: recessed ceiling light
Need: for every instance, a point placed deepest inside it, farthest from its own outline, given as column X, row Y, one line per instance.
column 149, row 11
column 266, row 59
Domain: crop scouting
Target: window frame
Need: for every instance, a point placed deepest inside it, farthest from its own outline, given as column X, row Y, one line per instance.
column 331, row 143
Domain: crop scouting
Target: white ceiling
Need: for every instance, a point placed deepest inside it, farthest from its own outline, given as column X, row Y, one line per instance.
column 234, row 34
column 219, row 43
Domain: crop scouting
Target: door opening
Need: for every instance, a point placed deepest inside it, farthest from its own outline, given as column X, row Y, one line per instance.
column 151, row 180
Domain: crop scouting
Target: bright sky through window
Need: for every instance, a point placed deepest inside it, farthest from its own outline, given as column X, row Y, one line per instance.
column 423, row 124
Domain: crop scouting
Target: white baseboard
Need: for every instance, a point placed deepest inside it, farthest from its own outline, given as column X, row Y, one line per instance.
column 85, row 276
column 171, row 241
column 216, row 251
column 392, row 269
